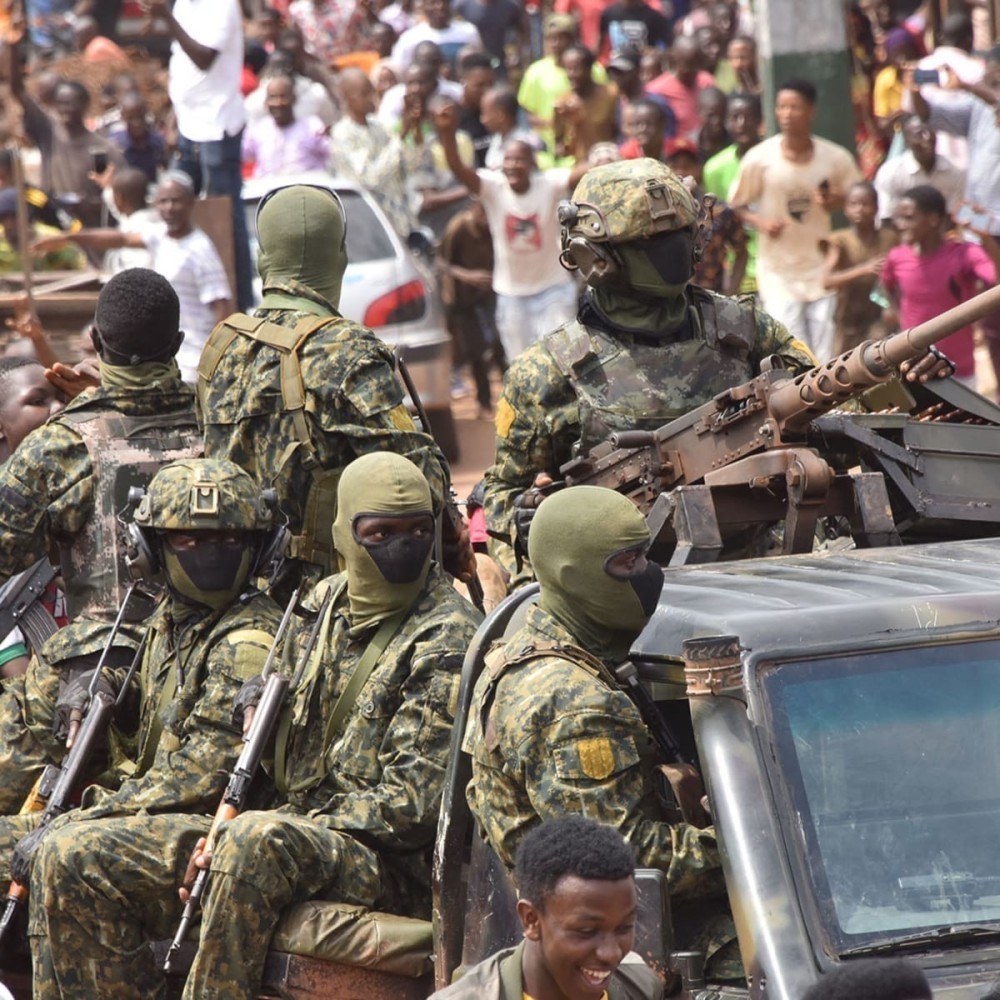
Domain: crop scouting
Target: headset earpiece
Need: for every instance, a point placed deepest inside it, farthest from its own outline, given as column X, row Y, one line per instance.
column 598, row 264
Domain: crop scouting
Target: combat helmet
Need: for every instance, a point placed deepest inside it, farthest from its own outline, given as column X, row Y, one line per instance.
column 202, row 494
column 618, row 203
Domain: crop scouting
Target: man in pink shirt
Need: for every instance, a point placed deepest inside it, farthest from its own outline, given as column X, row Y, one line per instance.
column 282, row 143
column 679, row 86
column 928, row 274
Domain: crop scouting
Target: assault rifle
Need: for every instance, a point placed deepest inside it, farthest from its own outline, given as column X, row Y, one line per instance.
column 256, row 742
column 745, row 456
column 53, row 793
column 21, row 605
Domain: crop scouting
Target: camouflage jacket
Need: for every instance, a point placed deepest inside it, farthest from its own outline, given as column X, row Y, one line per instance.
column 553, row 735
column 192, row 670
column 353, row 406
column 382, row 779
column 49, row 494
column 583, row 382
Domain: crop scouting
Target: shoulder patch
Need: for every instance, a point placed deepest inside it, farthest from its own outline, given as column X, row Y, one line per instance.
column 401, row 419
column 506, row 415
column 256, row 635
column 597, row 757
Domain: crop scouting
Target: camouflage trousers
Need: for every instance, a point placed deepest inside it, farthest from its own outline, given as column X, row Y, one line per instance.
column 27, row 744
column 101, row 890
column 12, row 829
column 265, row 862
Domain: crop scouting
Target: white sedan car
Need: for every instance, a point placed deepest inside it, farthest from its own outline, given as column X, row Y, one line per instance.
column 388, row 288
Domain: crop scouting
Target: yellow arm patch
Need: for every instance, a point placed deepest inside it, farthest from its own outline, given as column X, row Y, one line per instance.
column 401, row 419
column 506, row 415
column 597, row 758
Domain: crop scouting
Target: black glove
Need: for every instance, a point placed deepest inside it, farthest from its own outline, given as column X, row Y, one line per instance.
column 74, row 695
column 24, row 851
column 525, row 505
column 248, row 697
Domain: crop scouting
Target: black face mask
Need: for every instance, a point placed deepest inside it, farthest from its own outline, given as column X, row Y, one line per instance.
column 647, row 586
column 670, row 254
column 400, row 558
column 211, row 566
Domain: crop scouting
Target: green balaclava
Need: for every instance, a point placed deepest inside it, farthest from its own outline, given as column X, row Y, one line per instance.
column 573, row 535
column 381, row 483
column 301, row 235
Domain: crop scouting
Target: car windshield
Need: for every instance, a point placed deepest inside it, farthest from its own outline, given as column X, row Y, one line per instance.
column 893, row 763
column 366, row 236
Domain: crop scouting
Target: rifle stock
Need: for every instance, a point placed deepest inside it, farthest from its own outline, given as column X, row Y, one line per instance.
column 769, row 412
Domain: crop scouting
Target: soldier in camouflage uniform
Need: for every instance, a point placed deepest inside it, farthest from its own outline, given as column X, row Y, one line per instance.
column 647, row 346
column 551, row 732
column 360, row 798
column 205, row 527
column 362, row 794
column 62, row 489
column 335, row 396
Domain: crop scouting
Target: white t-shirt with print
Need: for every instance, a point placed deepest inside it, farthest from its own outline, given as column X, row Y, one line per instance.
column 525, row 230
column 790, row 266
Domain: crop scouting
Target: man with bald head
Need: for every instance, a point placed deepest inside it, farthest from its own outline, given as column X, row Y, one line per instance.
column 364, row 149
column 679, row 86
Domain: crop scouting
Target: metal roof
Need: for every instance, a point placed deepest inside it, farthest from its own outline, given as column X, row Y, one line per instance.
column 820, row 598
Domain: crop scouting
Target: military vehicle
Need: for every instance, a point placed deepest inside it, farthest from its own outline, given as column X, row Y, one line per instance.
column 841, row 704
column 845, row 711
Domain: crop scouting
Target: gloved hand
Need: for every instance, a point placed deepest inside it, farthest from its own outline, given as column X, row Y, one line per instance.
column 247, row 698
column 73, row 699
column 24, row 850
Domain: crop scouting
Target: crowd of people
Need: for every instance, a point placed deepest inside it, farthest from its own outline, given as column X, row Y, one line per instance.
column 376, row 95
column 599, row 192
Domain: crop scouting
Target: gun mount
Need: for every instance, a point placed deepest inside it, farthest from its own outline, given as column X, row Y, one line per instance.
column 772, row 450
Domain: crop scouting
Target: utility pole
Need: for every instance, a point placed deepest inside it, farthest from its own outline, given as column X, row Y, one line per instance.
column 803, row 38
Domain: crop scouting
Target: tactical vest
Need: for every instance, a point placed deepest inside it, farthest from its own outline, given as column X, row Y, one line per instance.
column 497, row 664
column 643, row 385
column 312, row 542
column 124, row 452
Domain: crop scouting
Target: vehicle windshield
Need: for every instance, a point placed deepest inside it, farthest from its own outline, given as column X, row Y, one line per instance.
column 893, row 763
column 366, row 236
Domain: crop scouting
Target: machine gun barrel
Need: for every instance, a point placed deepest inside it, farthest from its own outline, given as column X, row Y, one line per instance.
column 794, row 403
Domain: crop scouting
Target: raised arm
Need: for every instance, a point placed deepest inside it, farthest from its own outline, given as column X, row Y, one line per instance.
column 445, row 117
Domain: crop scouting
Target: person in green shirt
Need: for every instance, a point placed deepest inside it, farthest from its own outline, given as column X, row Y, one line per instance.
column 545, row 81
column 743, row 121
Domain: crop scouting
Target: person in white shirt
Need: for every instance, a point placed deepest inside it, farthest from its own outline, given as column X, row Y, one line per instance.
column 428, row 57
column 206, row 66
column 312, row 99
column 921, row 163
column 535, row 294
column 450, row 36
column 183, row 254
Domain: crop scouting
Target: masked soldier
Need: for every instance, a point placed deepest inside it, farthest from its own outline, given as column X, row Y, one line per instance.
column 647, row 346
column 551, row 732
column 360, row 755
column 62, row 489
column 205, row 529
column 294, row 392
